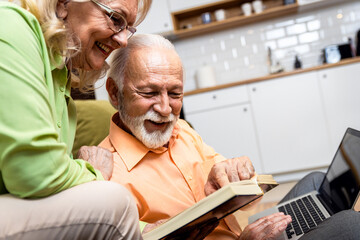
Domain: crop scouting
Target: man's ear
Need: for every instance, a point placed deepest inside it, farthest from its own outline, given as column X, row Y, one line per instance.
column 113, row 91
column 61, row 9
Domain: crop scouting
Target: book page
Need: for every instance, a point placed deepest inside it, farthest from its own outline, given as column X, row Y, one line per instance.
column 214, row 215
column 221, row 203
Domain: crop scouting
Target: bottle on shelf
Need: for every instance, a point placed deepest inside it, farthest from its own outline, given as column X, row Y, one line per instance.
column 297, row 63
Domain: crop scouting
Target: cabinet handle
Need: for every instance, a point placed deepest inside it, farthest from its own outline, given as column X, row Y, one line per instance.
column 214, row 97
column 245, row 109
column 254, row 89
column 324, row 76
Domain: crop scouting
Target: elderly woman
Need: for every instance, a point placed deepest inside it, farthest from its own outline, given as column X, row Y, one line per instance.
column 47, row 46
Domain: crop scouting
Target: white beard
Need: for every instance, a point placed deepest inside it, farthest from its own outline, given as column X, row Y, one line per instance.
column 152, row 140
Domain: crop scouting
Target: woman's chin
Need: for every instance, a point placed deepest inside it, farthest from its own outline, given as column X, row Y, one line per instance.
column 98, row 64
column 94, row 66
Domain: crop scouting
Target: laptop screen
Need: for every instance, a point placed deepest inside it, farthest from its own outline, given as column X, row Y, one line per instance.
column 341, row 183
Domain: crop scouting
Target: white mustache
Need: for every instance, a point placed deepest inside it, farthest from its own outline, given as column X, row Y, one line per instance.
column 155, row 117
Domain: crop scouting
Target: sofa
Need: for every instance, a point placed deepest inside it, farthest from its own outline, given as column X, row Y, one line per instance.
column 93, row 122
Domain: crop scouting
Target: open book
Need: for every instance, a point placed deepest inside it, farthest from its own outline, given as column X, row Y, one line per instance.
column 214, row 207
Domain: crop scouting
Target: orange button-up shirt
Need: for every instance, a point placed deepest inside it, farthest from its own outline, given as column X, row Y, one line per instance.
column 167, row 180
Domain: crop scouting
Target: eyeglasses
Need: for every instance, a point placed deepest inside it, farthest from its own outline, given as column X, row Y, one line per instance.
column 117, row 21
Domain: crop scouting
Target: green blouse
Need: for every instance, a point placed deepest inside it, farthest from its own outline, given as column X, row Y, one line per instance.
column 37, row 114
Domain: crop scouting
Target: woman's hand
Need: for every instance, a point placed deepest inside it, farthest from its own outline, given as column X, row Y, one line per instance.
column 266, row 228
column 100, row 158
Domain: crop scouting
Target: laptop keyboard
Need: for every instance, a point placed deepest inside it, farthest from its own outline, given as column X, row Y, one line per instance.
column 305, row 214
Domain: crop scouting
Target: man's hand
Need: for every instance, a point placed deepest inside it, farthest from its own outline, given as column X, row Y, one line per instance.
column 230, row 170
column 269, row 227
column 100, row 158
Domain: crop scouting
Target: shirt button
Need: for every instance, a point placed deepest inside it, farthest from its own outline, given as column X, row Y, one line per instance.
column 62, row 89
column 59, row 124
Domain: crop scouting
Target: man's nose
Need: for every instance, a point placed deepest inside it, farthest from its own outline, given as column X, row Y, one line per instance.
column 120, row 38
column 163, row 106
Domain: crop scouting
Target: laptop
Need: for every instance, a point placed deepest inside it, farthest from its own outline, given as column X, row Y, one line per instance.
column 338, row 191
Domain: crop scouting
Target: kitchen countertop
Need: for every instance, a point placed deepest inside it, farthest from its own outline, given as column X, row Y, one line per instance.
column 272, row 76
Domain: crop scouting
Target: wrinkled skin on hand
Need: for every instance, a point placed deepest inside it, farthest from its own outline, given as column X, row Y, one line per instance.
column 100, row 158
column 230, row 170
column 266, row 228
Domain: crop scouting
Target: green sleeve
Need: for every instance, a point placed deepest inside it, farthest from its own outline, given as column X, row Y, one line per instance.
column 142, row 225
column 34, row 162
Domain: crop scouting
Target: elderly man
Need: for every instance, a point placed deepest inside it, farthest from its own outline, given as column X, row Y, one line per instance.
column 158, row 157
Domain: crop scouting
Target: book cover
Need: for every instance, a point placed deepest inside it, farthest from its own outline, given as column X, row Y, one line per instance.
column 214, row 207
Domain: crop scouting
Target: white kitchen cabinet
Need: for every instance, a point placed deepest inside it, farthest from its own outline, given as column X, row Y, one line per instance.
column 158, row 20
column 215, row 99
column 340, row 88
column 288, row 126
column 225, row 122
column 290, row 123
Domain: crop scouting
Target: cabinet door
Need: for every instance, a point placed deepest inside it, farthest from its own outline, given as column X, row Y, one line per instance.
column 158, row 20
column 229, row 130
column 340, row 89
column 290, row 123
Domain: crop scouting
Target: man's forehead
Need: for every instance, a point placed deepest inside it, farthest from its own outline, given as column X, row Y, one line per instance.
column 156, row 80
column 158, row 63
column 157, row 56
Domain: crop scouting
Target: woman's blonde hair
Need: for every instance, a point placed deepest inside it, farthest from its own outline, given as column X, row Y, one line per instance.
column 61, row 43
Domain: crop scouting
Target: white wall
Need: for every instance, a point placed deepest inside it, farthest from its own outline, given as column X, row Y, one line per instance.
column 100, row 90
column 241, row 53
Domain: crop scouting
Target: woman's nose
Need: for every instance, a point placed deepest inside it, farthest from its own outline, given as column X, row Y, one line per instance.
column 120, row 38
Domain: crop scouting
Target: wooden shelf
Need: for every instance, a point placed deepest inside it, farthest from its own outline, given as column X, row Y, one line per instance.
column 274, row 76
column 235, row 17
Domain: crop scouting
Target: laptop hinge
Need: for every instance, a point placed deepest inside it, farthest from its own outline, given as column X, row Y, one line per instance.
column 325, row 204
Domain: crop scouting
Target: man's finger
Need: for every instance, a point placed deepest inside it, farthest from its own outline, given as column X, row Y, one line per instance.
column 221, row 176
column 270, row 227
column 242, row 169
column 250, row 167
column 233, row 174
column 273, row 231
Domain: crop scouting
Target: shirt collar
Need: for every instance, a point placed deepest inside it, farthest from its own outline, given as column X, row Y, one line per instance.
column 130, row 149
column 60, row 70
column 59, row 62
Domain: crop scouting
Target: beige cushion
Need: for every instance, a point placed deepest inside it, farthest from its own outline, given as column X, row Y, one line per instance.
column 93, row 122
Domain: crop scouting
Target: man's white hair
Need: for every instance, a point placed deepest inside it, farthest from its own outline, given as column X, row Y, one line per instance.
column 120, row 57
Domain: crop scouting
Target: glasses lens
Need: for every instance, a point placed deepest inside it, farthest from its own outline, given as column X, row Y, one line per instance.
column 130, row 31
column 118, row 21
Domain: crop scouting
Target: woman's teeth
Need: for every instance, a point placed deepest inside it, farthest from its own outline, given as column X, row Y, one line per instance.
column 103, row 47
